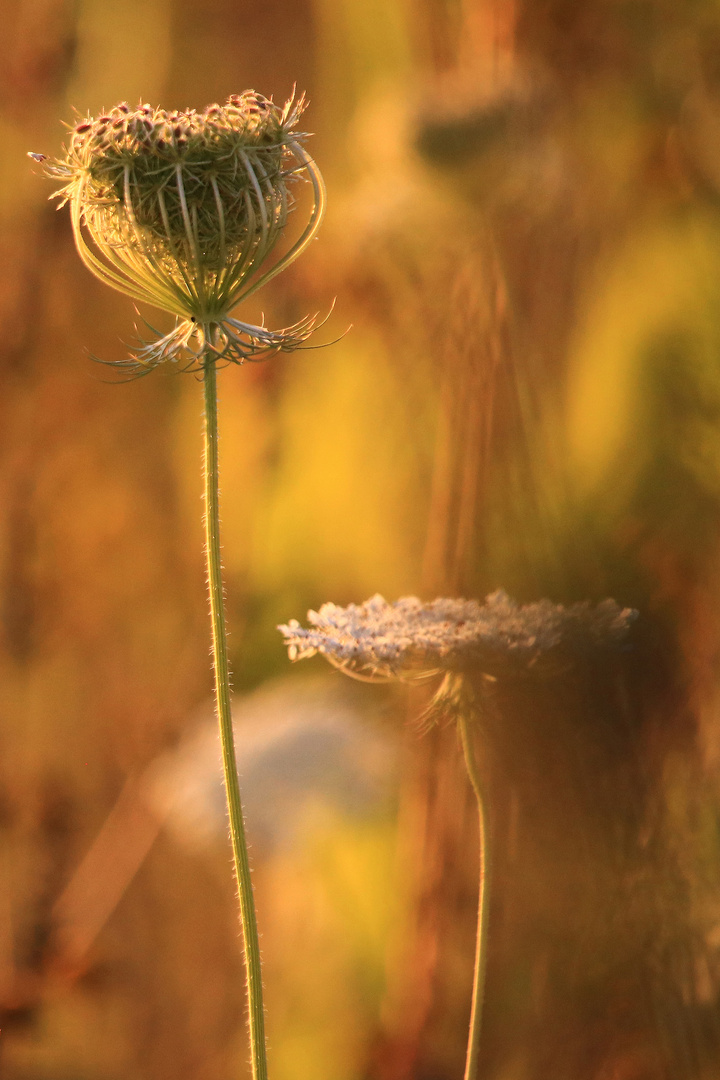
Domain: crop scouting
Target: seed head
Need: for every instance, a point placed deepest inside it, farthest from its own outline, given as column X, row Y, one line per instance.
column 181, row 210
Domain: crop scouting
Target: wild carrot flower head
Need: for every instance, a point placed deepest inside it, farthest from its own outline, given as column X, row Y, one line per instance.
column 182, row 209
column 410, row 638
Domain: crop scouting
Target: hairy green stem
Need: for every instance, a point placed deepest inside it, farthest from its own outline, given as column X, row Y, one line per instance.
column 473, row 1049
column 256, row 1015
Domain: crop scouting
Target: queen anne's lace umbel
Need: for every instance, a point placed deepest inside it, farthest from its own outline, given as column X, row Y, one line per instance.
column 181, row 209
column 411, row 637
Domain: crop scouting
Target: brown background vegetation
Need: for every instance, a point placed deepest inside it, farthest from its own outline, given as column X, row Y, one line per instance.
column 524, row 231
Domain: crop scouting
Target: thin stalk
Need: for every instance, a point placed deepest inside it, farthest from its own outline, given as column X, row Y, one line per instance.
column 248, row 922
column 471, row 1062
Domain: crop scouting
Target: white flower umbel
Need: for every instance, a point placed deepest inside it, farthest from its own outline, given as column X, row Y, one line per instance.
column 410, row 638
column 182, row 209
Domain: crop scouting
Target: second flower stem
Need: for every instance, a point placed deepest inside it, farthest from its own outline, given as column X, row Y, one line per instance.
column 473, row 1048
column 256, row 1014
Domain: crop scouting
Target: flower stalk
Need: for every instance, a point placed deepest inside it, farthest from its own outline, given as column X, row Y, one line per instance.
column 456, row 701
column 478, row 991
column 256, row 1014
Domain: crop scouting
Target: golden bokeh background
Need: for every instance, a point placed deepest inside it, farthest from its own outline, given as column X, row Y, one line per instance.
column 524, row 232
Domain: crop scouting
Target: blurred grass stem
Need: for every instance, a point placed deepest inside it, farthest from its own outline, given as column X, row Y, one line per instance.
column 478, row 994
column 248, row 921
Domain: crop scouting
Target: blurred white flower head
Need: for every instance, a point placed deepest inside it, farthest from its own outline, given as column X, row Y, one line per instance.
column 411, row 638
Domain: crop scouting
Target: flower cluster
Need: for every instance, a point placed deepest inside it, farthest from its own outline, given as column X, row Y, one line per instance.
column 180, row 209
column 410, row 637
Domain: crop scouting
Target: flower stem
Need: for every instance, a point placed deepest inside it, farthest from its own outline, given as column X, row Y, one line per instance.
column 256, row 1015
column 471, row 1062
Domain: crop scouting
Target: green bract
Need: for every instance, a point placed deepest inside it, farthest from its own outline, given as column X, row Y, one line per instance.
column 181, row 209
